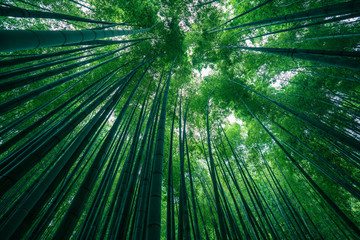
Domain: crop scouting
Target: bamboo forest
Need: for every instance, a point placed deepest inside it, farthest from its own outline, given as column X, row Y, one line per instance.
column 179, row 119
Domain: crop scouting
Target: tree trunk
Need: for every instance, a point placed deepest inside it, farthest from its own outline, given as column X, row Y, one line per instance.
column 14, row 40
column 322, row 12
column 11, row 11
column 154, row 217
column 330, row 58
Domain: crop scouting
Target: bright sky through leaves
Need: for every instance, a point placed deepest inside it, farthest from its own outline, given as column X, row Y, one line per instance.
column 180, row 119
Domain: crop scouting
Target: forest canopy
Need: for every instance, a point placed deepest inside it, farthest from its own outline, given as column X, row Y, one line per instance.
column 180, row 119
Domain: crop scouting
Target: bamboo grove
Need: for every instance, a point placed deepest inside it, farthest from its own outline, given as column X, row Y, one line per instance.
column 180, row 119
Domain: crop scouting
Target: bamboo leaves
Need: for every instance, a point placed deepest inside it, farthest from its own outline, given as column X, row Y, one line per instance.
column 87, row 150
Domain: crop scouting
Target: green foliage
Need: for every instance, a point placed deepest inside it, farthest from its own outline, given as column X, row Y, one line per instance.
column 261, row 189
